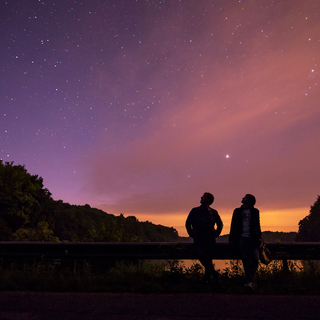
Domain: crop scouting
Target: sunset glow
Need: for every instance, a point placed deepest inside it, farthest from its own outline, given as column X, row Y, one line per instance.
column 138, row 107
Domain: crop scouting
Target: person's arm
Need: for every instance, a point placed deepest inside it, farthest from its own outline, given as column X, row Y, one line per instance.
column 189, row 225
column 219, row 225
column 232, row 228
column 259, row 227
column 260, row 233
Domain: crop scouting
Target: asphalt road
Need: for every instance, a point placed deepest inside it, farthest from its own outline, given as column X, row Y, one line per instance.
column 79, row 306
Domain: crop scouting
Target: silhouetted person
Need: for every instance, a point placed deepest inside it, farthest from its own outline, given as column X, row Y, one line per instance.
column 204, row 225
column 245, row 235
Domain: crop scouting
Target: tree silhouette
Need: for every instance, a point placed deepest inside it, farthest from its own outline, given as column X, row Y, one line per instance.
column 22, row 197
column 309, row 227
column 28, row 213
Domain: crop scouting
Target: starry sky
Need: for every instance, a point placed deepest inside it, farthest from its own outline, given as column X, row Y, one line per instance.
column 140, row 106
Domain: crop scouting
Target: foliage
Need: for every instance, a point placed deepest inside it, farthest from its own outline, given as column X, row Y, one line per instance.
column 273, row 278
column 22, row 197
column 83, row 223
column 279, row 237
column 155, row 277
column 28, row 213
column 309, row 226
column 40, row 233
column 268, row 236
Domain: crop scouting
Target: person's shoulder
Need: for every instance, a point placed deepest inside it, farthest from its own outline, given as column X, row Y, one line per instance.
column 237, row 211
column 195, row 209
column 214, row 211
column 214, row 214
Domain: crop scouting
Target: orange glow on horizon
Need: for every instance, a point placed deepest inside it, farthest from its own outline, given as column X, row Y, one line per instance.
column 284, row 220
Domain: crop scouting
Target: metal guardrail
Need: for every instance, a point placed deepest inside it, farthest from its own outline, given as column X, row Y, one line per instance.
column 150, row 250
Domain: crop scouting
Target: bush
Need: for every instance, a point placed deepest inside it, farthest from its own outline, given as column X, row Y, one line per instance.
column 154, row 277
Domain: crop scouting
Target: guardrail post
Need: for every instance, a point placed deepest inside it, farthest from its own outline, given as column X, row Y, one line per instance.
column 285, row 266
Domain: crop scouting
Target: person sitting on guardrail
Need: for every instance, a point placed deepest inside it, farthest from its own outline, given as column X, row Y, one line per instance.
column 245, row 235
column 204, row 225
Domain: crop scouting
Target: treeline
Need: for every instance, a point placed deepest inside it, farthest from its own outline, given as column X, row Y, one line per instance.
column 269, row 236
column 28, row 213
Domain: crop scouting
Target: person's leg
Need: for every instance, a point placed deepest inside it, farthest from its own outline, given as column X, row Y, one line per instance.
column 244, row 250
column 250, row 259
column 204, row 253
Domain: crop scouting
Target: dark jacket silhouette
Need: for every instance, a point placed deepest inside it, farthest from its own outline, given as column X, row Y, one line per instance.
column 204, row 224
column 236, row 226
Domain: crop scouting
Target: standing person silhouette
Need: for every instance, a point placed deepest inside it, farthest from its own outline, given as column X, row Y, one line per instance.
column 204, row 225
column 245, row 235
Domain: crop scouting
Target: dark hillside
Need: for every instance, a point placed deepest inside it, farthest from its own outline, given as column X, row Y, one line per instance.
column 268, row 236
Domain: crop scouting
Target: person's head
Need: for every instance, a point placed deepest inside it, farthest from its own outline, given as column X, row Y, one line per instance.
column 249, row 200
column 207, row 199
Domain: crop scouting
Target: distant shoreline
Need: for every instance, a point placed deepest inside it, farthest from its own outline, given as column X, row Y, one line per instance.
column 268, row 236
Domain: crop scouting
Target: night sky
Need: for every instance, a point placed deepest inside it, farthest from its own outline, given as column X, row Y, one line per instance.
column 140, row 106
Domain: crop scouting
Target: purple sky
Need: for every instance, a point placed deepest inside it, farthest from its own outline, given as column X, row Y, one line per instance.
column 138, row 107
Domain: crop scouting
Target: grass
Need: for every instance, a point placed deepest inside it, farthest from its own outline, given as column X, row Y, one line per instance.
column 155, row 277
